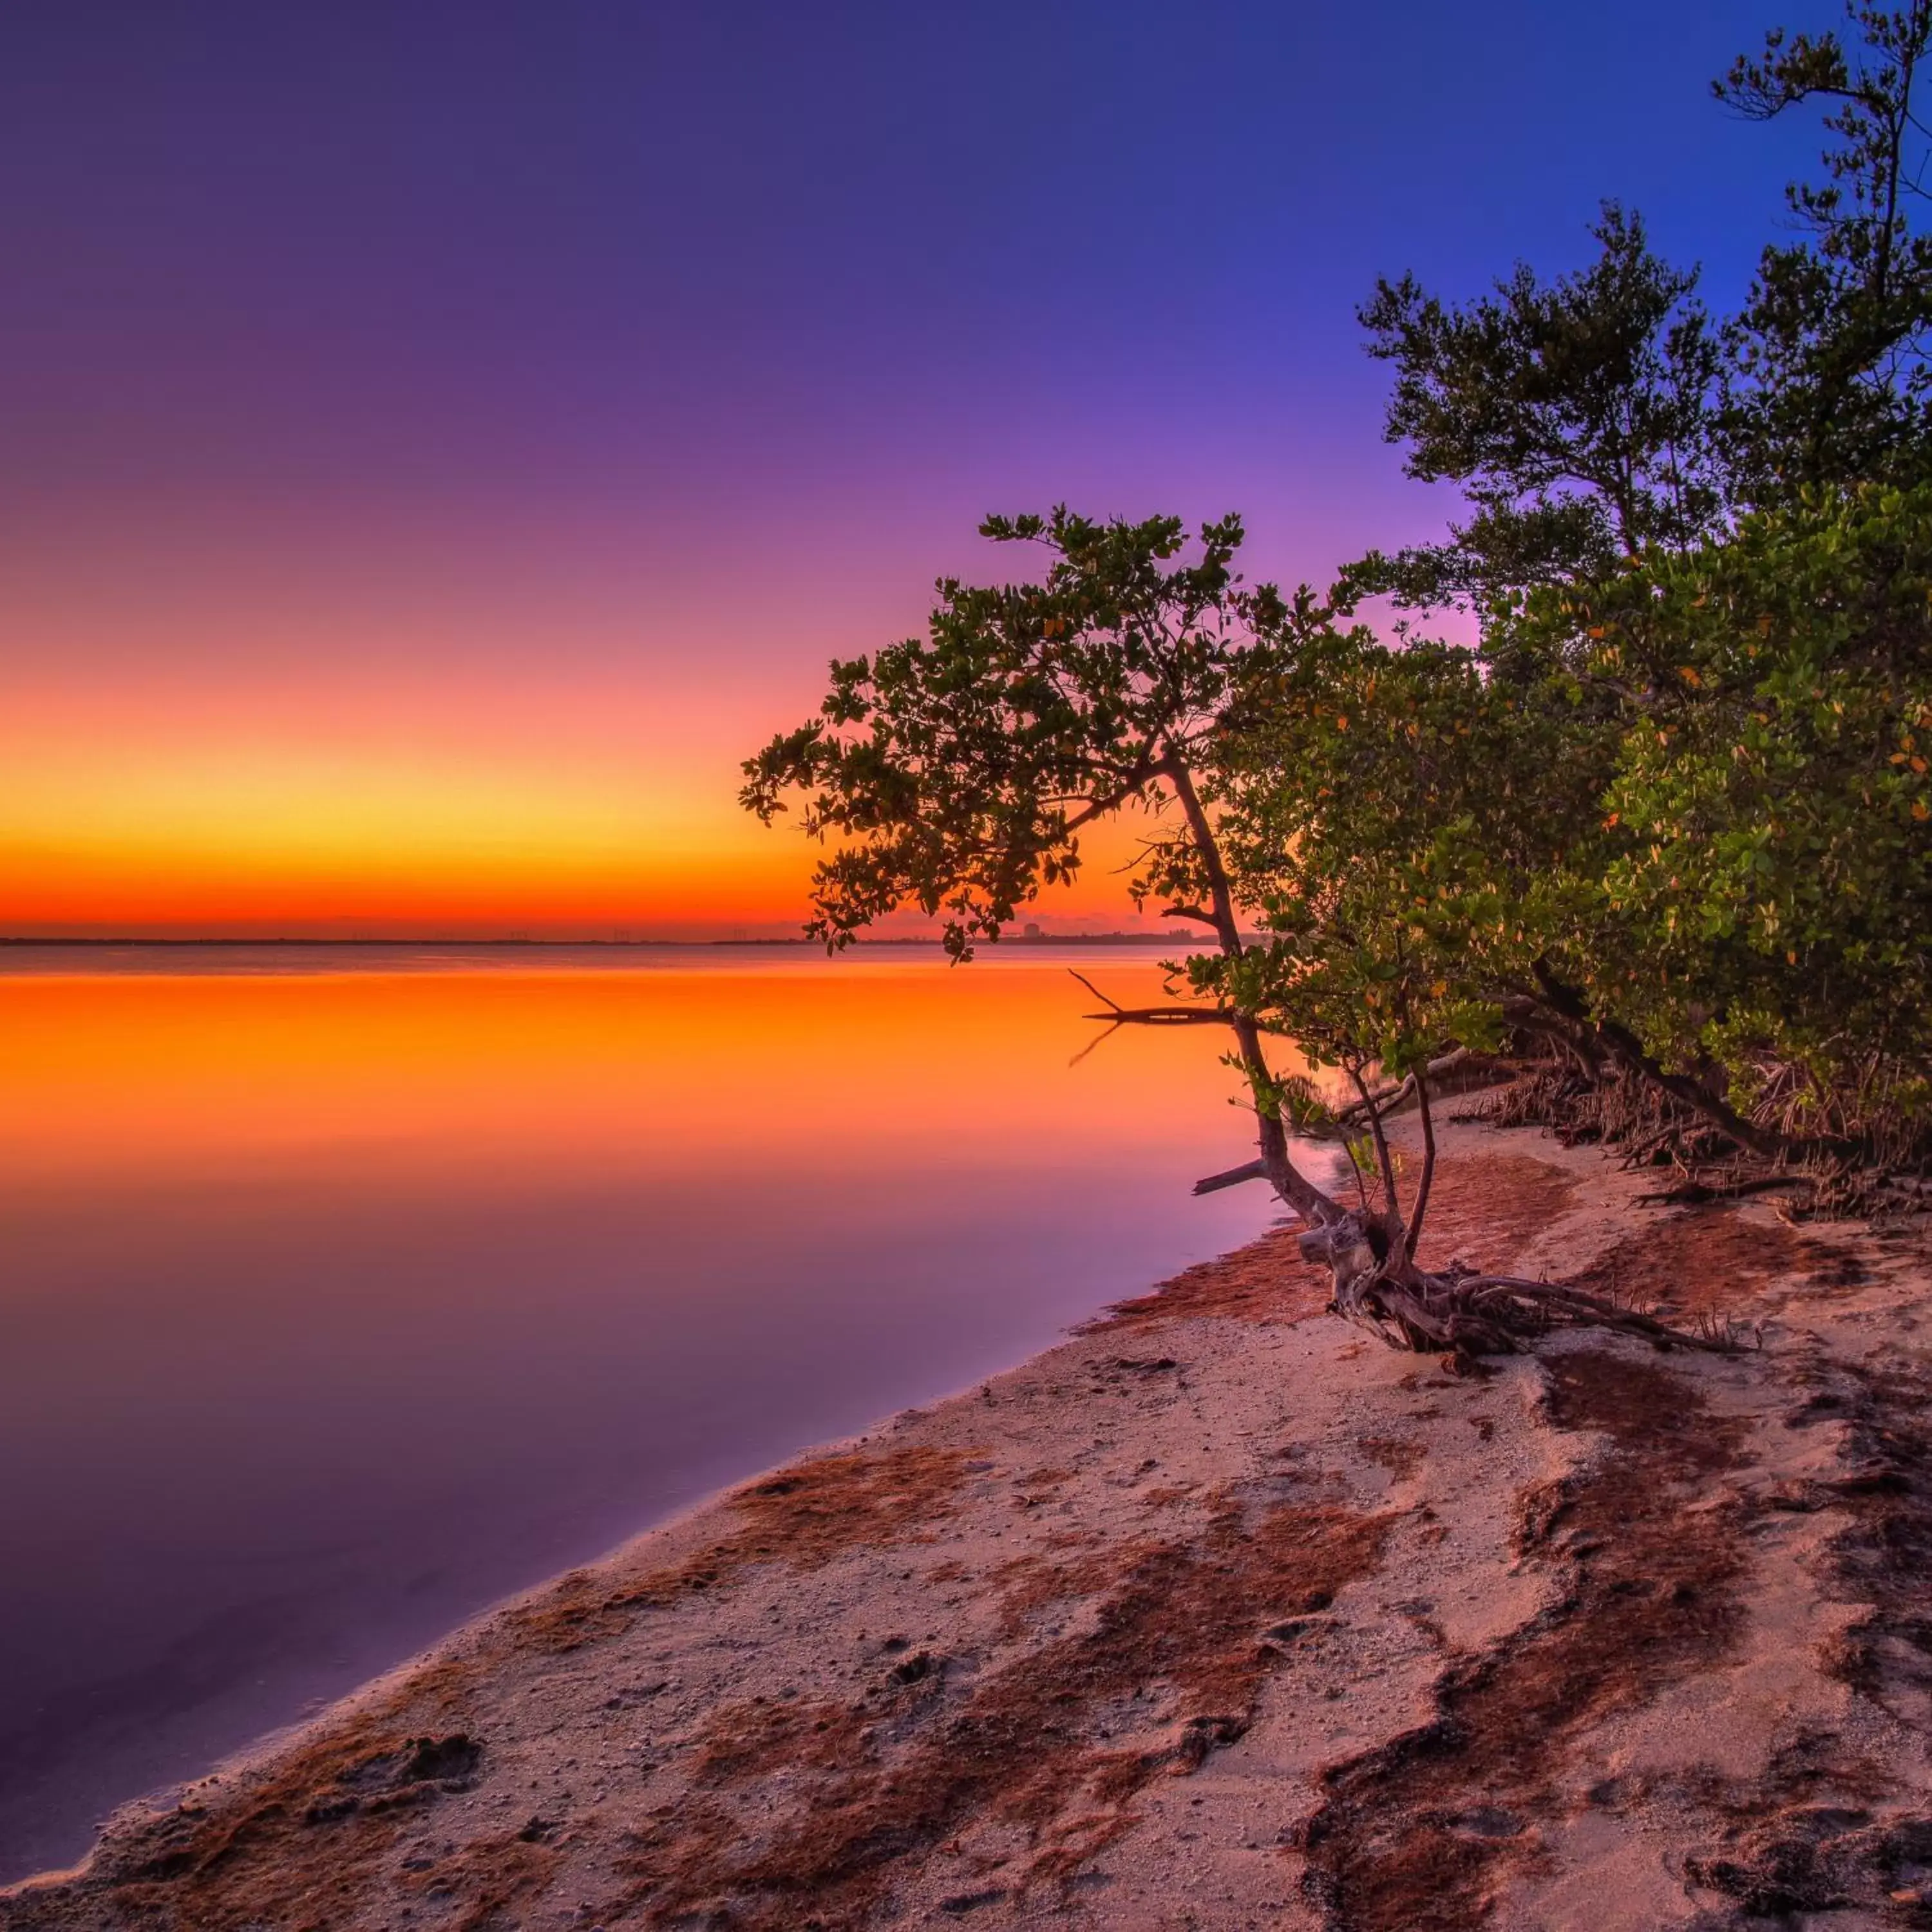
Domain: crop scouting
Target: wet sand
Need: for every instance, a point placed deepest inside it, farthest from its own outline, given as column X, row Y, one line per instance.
column 1217, row 1615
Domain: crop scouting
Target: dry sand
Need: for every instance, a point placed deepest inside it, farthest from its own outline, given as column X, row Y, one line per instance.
column 1217, row 1615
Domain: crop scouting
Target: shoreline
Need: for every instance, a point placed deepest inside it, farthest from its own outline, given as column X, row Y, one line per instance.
column 1214, row 1613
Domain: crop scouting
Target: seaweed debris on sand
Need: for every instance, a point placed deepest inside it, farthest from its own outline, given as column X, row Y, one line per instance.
column 1215, row 1615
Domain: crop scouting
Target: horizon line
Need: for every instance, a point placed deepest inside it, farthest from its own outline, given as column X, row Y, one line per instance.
column 1115, row 937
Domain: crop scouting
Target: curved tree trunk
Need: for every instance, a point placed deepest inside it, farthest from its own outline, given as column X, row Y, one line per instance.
column 1371, row 1252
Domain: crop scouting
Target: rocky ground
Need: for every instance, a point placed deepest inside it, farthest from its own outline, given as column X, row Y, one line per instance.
column 1217, row 1616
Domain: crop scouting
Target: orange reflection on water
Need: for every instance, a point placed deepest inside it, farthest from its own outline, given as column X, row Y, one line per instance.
column 336, row 1303
column 811, row 1065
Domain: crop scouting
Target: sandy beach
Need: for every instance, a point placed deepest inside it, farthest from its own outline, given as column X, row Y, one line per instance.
column 1217, row 1615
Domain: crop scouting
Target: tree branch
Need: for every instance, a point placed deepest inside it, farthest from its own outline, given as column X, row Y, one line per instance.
column 1113, row 1005
column 1165, row 1016
column 1233, row 1176
column 1119, row 1015
column 1173, row 769
column 1383, row 1161
column 1623, row 1046
column 1288, row 1181
column 1420, row 1207
column 1390, row 1098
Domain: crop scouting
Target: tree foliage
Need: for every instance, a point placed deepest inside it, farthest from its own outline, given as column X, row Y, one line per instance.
column 1828, row 375
column 1697, row 559
column 1592, row 417
column 1668, row 814
column 1690, row 835
column 958, row 770
column 1766, row 889
column 1575, row 413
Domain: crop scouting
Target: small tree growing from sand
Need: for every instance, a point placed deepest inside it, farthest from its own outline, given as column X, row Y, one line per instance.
column 957, row 773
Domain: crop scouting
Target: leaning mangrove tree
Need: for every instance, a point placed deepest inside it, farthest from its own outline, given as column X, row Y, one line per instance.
column 1660, row 815
column 956, row 772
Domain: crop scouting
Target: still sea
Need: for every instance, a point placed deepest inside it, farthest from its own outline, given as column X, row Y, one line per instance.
column 344, row 1291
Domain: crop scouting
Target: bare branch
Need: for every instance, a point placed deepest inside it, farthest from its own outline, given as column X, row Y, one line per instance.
column 1383, row 1161
column 1118, row 1015
column 1233, row 1176
column 1094, row 1045
column 1392, row 1099
column 1115, row 1005
column 1164, row 1016
column 1419, row 1208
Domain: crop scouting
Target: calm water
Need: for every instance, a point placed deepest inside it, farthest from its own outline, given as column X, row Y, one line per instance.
column 341, row 1294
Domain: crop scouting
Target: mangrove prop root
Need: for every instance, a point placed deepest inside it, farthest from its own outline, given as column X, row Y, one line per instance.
column 1379, row 1288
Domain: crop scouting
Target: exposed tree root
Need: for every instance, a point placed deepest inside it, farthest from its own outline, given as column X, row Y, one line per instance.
column 1379, row 1287
column 1612, row 1106
column 1371, row 1253
column 1827, row 1169
column 1595, row 1084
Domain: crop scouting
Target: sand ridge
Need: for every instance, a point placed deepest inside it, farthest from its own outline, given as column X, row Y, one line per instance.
column 1217, row 1615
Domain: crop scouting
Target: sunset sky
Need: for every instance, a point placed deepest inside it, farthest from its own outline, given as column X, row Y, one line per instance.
column 440, row 441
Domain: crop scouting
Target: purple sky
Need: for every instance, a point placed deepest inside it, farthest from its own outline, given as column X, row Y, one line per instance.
column 403, row 400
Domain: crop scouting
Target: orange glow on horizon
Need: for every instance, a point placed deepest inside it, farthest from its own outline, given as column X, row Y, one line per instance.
column 494, row 820
column 264, row 750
